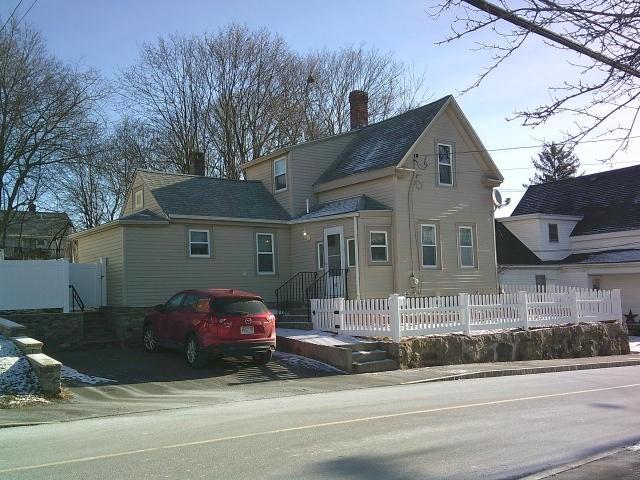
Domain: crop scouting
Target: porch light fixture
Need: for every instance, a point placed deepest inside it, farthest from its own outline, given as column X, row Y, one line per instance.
column 306, row 235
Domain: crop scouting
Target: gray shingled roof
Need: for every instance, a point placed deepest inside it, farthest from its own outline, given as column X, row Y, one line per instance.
column 179, row 194
column 608, row 201
column 383, row 144
column 606, row 256
column 38, row 224
column 342, row 206
column 144, row 216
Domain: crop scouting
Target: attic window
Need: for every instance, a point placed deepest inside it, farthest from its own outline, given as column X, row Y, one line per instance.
column 138, row 199
column 553, row 232
column 280, row 174
column 445, row 164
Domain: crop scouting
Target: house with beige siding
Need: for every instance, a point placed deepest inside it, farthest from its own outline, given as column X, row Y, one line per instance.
column 403, row 205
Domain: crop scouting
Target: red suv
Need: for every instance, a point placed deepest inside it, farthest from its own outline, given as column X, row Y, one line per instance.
column 212, row 323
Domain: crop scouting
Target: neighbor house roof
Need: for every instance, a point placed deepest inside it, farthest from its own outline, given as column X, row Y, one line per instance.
column 38, row 224
column 605, row 256
column 144, row 216
column 194, row 195
column 383, row 144
column 608, row 201
column 510, row 250
column 343, row 206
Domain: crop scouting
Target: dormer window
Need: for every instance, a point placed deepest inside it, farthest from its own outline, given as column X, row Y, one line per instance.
column 445, row 164
column 280, row 174
column 138, row 199
column 553, row 233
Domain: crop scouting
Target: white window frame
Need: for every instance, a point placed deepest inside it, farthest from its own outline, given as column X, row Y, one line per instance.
column 191, row 242
column 352, row 262
column 386, row 246
column 320, row 256
column 286, row 183
column 472, row 247
column 272, row 253
column 450, row 164
column 435, row 245
column 136, row 203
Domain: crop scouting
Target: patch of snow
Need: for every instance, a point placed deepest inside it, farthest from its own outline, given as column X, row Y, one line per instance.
column 74, row 375
column 304, row 362
column 17, row 377
column 8, row 349
column 634, row 344
column 634, row 448
column 15, row 401
column 319, row 337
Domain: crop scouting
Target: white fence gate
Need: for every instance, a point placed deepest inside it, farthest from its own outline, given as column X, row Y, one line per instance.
column 400, row 316
column 36, row 284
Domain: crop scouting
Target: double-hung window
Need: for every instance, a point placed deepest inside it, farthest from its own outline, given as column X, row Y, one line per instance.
column 265, row 253
column 379, row 246
column 351, row 252
column 553, row 233
column 445, row 164
column 465, row 245
column 199, row 245
column 280, row 174
column 138, row 198
column 429, row 245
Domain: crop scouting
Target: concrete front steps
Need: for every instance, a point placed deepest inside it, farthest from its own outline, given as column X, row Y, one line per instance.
column 369, row 358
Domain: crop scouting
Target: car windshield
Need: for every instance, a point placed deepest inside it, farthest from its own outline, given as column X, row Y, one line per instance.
column 240, row 306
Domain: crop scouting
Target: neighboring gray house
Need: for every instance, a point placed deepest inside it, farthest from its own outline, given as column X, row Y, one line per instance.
column 582, row 231
column 33, row 235
column 403, row 205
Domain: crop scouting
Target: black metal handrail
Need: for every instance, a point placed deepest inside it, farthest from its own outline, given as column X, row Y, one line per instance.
column 291, row 294
column 75, row 299
column 331, row 284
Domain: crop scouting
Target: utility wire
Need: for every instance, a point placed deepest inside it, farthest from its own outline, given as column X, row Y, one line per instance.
column 11, row 16
column 28, row 10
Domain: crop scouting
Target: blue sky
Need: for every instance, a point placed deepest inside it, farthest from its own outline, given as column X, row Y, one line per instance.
column 106, row 35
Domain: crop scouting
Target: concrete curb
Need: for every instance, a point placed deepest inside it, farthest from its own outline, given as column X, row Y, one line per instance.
column 529, row 371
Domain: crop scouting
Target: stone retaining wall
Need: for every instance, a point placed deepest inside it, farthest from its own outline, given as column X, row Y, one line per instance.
column 572, row 341
column 57, row 330
column 127, row 322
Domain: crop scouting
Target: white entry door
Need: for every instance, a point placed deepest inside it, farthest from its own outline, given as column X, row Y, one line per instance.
column 334, row 262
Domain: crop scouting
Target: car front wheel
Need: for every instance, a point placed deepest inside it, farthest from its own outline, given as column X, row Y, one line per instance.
column 194, row 355
column 149, row 339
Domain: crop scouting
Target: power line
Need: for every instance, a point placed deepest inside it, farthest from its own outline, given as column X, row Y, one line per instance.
column 11, row 15
column 28, row 10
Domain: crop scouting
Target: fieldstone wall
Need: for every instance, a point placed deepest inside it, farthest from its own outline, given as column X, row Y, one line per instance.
column 127, row 322
column 57, row 330
column 572, row 341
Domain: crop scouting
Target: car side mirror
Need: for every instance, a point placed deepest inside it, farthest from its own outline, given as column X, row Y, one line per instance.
column 159, row 307
column 203, row 306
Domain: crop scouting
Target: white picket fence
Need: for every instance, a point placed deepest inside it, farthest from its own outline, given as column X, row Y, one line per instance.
column 400, row 316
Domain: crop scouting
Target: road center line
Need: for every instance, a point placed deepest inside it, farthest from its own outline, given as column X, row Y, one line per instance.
column 312, row 426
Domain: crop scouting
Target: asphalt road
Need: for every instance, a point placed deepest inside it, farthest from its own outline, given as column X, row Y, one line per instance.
column 507, row 427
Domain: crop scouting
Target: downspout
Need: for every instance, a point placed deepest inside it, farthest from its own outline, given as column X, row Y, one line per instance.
column 355, row 240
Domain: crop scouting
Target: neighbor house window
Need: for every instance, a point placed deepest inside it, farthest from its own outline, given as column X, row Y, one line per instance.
column 199, row 243
column 553, row 232
column 280, row 174
column 379, row 246
column 320, row 255
column 138, row 199
column 351, row 252
column 445, row 164
column 265, row 253
column 429, row 245
column 541, row 280
column 465, row 245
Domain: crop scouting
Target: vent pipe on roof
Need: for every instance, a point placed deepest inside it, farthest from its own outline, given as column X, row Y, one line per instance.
column 195, row 162
column 359, row 109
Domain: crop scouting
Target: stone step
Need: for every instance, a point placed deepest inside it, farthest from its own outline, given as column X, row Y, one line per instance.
column 363, row 346
column 364, row 356
column 375, row 366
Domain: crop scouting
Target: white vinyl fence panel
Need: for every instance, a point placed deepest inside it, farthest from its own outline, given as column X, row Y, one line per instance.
column 39, row 284
column 399, row 316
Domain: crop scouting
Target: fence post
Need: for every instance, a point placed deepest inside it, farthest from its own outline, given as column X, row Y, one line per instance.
column 394, row 316
column 573, row 304
column 617, row 305
column 465, row 313
column 523, row 307
column 339, row 311
column 65, row 283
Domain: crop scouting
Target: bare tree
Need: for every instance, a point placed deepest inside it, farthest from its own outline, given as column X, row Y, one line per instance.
column 44, row 105
column 604, row 94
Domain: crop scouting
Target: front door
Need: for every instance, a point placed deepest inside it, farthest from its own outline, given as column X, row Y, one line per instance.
column 334, row 263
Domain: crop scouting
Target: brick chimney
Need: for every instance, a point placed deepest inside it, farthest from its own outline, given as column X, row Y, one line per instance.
column 195, row 161
column 358, row 104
